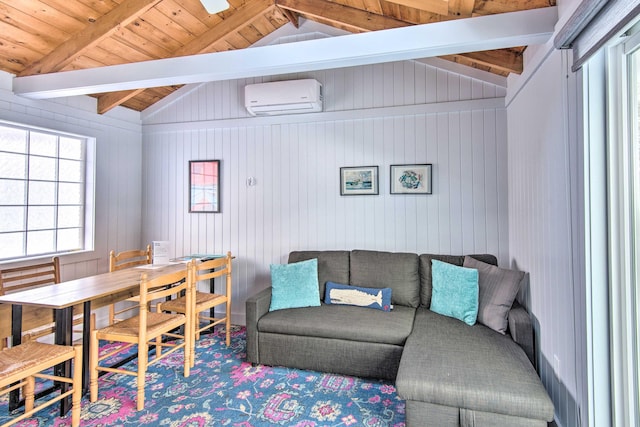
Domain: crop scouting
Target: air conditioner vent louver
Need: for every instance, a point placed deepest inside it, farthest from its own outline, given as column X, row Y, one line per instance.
column 284, row 97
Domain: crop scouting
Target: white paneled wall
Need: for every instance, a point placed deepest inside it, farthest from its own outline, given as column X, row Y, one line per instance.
column 544, row 227
column 380, row 115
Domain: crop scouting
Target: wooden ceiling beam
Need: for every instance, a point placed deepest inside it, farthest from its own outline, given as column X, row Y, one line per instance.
column 492, row 7
column 80, row 42
column 291, row 16
column 461, row 8
column 350, row 17
column 441, row 7
column 364, row 21
column 507, row 60
column 242, row 17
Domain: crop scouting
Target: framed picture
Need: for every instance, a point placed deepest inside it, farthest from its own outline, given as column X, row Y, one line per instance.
column 357, row 181
column 204, row 186
column 411, row 179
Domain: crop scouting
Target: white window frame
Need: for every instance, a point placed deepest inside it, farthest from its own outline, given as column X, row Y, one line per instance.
column 623, row 195
column 89, row 192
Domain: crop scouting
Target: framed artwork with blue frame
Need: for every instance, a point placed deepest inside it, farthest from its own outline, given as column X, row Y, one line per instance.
column 411, row 179
column 204, row 186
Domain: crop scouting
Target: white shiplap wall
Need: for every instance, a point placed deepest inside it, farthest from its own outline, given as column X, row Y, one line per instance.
column 406, row 112
column 118, row 169
column 545, row 223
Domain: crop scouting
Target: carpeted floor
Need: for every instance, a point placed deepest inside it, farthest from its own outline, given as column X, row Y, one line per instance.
column 223, row 390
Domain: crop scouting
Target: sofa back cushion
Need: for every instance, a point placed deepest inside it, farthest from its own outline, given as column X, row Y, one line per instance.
column 332, row 265
column 395, row 270
column 425, row 271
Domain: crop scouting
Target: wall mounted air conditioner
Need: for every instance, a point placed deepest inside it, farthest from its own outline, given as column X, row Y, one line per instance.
column 285, row 97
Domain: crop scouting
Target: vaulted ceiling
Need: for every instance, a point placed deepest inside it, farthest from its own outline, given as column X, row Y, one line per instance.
column 48, row 36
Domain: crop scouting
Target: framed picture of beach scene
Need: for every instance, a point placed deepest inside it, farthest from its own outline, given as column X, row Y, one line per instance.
column 411, row 179
column 358, row 180
column 204, row 186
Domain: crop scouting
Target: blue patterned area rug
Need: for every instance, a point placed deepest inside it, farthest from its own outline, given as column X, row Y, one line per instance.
column 224, row 390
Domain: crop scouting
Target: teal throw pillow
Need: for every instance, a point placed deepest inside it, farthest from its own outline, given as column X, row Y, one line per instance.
column 294, row 285
column 337, row 293
column 455, row 291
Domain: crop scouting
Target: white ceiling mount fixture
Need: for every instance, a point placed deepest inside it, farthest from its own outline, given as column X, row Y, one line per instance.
column 215, row 6
column 488, row 32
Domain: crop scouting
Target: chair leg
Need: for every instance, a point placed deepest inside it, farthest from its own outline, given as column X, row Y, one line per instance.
column 112, row 313
column 196, row 325
column 93, row 366
column 29, row 390
column 188, row 349
column 76, row 396
column 158, row 347
column 228, row 323
column 143, row 354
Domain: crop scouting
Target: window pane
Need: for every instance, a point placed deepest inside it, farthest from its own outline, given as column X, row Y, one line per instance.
column 12, row 218
column 12, row 192
column 41, row 217
column 12, row 139
column 42, row 168
column 71, row 148
column 71, row 194
column 42, row 193
column 13, row 166
column 43, row 144
column 70, row 216
column 71, row 170
column 11, row 245
column 40, row 242
column 70, row 239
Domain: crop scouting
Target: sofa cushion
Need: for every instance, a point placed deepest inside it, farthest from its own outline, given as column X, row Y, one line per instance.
column 378, row 298
column 498, row 288
column 294, row 285
column 332, row 265
column 475, row 368
column 425, row 271
column 455, row 291
column 395, row 270
column 328, row 321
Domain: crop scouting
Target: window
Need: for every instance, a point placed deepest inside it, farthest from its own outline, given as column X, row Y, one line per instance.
column 44, row 192
column 623, row 188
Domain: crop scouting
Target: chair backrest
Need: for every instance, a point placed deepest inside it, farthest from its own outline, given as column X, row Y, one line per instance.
column 29, row 276
column 127, row 259
column 162, row 287
column 213, row 268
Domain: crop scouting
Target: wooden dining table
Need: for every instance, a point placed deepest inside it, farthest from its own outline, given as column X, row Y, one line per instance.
column 65, row 299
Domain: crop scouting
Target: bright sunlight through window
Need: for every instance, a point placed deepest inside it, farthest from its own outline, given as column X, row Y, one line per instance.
column 42, row 192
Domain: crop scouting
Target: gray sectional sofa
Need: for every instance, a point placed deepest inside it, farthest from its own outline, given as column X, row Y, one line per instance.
column 449, row 373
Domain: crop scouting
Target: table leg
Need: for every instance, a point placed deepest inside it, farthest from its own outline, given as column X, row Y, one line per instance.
column 16, row 333
column 64, row 336
column 212, row 310
column 86, row 338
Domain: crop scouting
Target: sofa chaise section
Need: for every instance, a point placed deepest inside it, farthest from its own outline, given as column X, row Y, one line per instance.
column 474, row 377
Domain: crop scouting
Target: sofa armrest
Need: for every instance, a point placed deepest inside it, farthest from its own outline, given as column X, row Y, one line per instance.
column 521, row 330
column 256, row 306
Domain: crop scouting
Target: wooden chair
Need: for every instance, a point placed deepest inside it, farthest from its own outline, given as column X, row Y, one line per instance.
column 148, row 328
column 22, row 364
column 205, row 301
column 33, row 276
column 120, row 261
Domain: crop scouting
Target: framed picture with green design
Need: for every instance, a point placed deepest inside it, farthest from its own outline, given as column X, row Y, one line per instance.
column 411, row 179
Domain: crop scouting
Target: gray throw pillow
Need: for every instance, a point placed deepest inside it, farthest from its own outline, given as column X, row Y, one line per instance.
column 497, row 288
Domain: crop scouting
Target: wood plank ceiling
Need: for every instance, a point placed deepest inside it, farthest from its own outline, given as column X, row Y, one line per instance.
column 47, row 36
